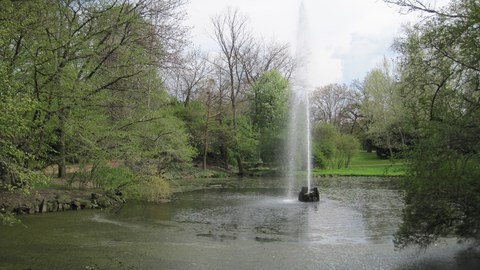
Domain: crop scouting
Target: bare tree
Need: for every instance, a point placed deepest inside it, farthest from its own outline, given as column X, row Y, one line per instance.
column 221, row 86
column 210, row 96
column 169, row 35
column 428, row 7
column 260, row 57
column 333, row 104
column 232, row 35
column 243, row 61
column 187, row 78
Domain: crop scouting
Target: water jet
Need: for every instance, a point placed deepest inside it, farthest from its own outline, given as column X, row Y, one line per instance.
column 299, row 154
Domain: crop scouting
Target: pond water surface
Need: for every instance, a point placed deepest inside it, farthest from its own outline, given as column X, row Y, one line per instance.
column 248, row 228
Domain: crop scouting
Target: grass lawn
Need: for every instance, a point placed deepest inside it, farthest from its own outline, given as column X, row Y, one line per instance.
column 367, row 164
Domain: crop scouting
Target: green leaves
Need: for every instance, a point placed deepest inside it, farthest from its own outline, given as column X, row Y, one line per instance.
column 440, row 84
column 79, row 83
column 331, row 148
column 269, row 113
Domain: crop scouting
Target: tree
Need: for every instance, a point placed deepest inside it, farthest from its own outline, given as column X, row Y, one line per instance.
column 207, row 127
column 347, row 145
column 186, row 79
column 269, row 113
column 331, row 149
column 242, row 61
column 18, row 148
column 334, row 104
column 382, row 109
column 79, row 60
column 440, row 77
column 232, row 35
column 258, row 57
column 219, row 86
column 324, row 147
column 14, row 154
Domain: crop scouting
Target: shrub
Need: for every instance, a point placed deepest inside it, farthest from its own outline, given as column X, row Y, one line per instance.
column 111, row 178
column 331, row 148
column 155, row 189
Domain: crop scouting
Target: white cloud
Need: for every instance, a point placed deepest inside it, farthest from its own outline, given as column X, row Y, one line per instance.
column 348, row 37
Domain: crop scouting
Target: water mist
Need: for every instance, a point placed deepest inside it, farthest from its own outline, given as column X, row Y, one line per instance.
column 299, row 156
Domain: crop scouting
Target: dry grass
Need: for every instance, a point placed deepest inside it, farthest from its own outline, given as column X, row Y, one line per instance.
column 156, row 189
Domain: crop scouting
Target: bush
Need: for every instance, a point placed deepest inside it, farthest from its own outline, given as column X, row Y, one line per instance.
column 347, row 146
column 111, row 178
column 333, row 149
column 155, row 189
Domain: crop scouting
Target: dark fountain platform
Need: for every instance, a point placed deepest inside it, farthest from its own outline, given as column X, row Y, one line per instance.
column 312, row 196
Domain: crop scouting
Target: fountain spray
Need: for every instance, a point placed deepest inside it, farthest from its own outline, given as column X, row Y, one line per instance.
column 299, row 142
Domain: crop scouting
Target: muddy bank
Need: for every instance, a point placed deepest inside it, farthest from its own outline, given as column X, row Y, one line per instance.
column 56, row 200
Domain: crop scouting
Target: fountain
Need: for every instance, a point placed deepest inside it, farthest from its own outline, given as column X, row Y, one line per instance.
column 299, row 154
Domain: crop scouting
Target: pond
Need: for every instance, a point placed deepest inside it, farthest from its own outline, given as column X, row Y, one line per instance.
column 232, row 228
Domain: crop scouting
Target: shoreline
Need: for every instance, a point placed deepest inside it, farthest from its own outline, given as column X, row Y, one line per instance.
column 58, row 199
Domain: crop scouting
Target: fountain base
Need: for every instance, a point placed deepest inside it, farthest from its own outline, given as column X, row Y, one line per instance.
column 312, row 196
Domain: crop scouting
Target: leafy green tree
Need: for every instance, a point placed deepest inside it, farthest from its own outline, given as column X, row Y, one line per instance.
column 382, row 110
column 247, row 142
column 269, row 114
column 77, row 58
column 17, row 147
column 347, row 145
column 14, row 158
column 440, row 78
column 242, row 61
column 331, row 149
column 324, row 147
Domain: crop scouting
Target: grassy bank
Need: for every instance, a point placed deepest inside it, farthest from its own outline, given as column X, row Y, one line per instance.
column 367, row 164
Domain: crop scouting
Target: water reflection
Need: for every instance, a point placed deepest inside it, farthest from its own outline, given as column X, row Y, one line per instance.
column 465, row 259
column 350, row 228
column 358, row 216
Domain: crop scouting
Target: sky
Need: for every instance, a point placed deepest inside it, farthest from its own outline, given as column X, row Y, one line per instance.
column 347, row 37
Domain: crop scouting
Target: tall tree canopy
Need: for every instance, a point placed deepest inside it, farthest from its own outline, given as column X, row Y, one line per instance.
column 77, row 76
column 440, row 79
column 269, row 114
column 242, row 61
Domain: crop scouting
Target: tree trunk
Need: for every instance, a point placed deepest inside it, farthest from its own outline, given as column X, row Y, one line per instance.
column 224, row 155
column 205, row 135
column 187, row 98
column 62, row 171
column 241, row 169
column 205, row 147
column 389, row 144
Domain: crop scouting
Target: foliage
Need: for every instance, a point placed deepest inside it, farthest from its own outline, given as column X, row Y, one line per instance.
column 382, row 110
column 151, row 189
column 241, row 63
column 108, row 177
column 347, row 145
column 80, row 86
column 440, row 82
column 78, row 75
column 15, row 148
column 9, row 219
column 269, row 114
column 331, row 148
column 324, row 149
column 247, row 142
column 194, row 118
